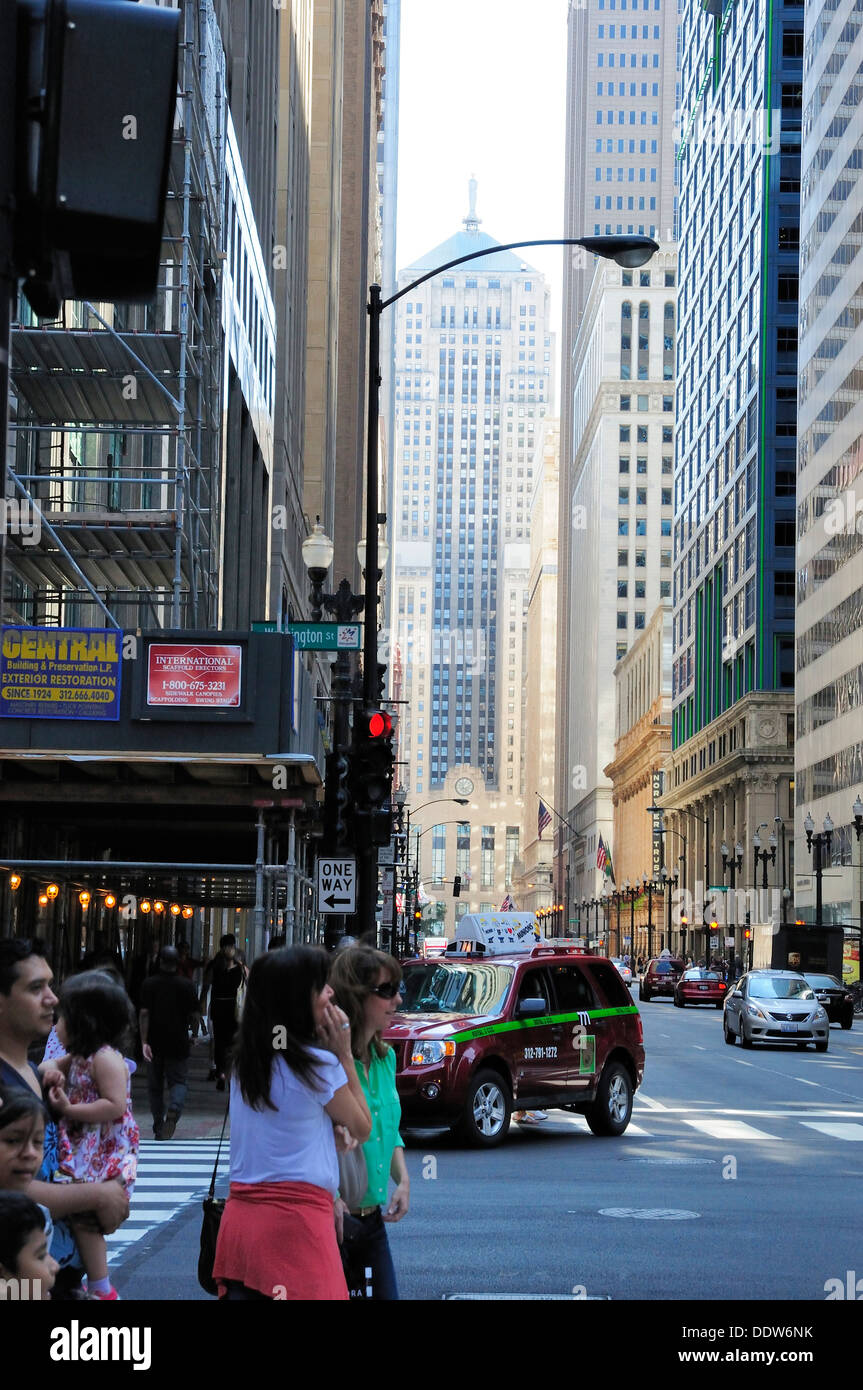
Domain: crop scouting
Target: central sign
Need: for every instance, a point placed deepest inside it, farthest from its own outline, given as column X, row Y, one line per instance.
column 337, row 885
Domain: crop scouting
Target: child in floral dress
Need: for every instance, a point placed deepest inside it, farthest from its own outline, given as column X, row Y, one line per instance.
column 90, row 1094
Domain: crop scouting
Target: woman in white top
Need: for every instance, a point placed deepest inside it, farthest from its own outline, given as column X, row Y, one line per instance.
column 294, row 1077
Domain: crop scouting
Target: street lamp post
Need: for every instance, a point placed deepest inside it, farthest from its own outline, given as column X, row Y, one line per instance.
column 732, row 864
column 818, row 843
column 786, row 891
column 344, row 606
column 631, row 893
column 628, row 251
column 669, row 883
column 766, row 856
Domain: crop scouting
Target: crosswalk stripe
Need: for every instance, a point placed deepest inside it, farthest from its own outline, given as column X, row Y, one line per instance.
column 837, row 1131
column 171, row 1177
column 728, row 1129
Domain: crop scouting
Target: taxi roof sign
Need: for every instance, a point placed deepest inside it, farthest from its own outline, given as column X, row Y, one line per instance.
column 496, row 933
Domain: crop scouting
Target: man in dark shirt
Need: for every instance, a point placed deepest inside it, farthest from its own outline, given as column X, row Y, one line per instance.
column 168, row 1005
column 27, row 1004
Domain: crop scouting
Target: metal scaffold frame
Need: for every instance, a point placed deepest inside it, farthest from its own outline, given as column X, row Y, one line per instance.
column 113, row 491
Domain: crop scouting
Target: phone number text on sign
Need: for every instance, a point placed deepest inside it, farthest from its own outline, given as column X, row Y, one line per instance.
column 194, row 676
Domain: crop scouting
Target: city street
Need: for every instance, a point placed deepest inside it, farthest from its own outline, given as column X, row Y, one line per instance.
column 737, row 1179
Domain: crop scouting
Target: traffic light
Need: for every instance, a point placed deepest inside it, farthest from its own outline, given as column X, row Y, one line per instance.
column 372, row 776
column 456, row 886
column 96, row 97
column 337, row 802
column 747, row 934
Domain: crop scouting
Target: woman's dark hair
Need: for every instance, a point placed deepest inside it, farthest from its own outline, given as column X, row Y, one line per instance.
column 353, row 976
column 277, row 1019
column 96, row 1011
column 19, row 1217
column 227, row 941
column 16, row 1103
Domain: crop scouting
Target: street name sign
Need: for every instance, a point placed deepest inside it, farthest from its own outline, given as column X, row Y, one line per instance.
column 337, row 885
column 327, row 637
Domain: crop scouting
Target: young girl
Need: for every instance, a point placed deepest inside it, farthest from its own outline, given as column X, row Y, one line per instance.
column 98, row 1134
column 22, row 1138
column 25, row 1234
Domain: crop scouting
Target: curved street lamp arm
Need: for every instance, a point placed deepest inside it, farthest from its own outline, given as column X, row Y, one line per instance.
column 589, row 243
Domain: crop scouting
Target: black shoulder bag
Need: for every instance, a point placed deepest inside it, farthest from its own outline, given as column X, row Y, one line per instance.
column 213, row 1207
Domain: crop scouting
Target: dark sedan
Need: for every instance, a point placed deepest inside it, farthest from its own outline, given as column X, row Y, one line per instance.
column 834, row 997
column 699, row 986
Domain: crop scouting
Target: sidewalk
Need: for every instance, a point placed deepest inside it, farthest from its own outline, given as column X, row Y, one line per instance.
column 205, row 1106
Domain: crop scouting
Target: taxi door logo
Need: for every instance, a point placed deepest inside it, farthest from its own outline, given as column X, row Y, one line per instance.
column 584, row 1044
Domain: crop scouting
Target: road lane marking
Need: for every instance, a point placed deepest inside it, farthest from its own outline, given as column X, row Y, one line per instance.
column 740, row 1062
column 650, row 1102
column 728, row 1129
column 837, row 1131
column 804, row 1082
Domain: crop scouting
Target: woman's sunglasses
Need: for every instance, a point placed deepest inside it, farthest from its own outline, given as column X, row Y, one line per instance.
column 387, row 991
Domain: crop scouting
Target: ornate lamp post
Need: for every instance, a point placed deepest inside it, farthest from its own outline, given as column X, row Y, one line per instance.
column 733, row 865
column 669, row 883
column 819, row 844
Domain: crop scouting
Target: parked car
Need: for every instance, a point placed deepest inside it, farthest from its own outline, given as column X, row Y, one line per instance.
column 836, row 998
column 774, row 1006
column 700, row 986
column 501, row 1023
column 622, row 969
column 660, row 977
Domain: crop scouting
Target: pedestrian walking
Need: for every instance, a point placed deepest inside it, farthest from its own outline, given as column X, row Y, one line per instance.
column 169, row 1004
column 90, row 1092
column 27, row 1004
column 294, row 1078
column 367, row 985
column 223, row 977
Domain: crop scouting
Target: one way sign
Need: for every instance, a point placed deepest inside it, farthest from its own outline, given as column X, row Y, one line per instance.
column 337, row 885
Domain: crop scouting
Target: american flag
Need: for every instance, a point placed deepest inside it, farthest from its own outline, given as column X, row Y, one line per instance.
column 543, row 819
column 601, row 855
column 507, row 905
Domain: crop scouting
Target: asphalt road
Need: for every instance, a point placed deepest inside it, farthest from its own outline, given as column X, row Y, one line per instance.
column 739, row 1178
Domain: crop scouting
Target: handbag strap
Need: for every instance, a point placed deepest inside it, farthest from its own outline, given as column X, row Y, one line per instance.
column 219, row 1151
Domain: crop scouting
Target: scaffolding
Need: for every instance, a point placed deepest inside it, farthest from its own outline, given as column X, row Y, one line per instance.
column 114, row 473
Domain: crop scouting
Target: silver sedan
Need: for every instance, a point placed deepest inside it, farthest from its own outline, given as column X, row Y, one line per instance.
column 774, row 1006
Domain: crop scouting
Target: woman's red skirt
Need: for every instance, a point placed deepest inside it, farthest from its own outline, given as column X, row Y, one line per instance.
column 279, row 1238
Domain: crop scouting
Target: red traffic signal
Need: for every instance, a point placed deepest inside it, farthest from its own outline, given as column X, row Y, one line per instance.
column 380, row 724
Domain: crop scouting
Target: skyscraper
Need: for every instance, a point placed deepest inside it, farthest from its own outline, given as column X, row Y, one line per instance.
column 733, row 615
column 619, row 177
column 473, row 385
column 829, row 752
column 617, row 519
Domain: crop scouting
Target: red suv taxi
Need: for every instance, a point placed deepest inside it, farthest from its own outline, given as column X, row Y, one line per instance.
column 505, row 1020
column 661, row 976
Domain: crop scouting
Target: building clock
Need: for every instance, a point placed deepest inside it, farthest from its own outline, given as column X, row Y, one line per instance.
column 464, row 786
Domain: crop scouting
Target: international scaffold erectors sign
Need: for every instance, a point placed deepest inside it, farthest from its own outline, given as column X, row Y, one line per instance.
column 60, row 673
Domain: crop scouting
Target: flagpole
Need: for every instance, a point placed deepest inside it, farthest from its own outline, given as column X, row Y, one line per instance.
column 577, row 833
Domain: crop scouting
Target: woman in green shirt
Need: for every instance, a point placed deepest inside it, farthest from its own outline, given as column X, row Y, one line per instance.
column 367, row 987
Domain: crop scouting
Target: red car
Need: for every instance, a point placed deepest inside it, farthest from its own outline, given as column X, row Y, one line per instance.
column 511, row 1024
column 661, row 976
column 700, row 986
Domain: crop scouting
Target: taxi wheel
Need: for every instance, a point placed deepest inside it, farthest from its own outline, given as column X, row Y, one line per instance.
column 488, row 1106
column 610, row 1113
